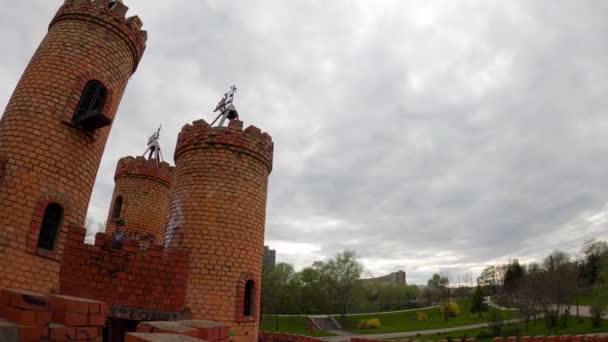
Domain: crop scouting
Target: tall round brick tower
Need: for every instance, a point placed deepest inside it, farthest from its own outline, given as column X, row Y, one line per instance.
column 53, row 133
column 141, row 196
column 218, row 211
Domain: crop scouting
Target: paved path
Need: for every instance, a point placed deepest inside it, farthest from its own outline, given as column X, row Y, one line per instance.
column 365, row 313
column 584, row 311
column 347, row 337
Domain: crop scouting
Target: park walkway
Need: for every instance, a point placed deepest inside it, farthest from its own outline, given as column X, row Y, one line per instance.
column 344, row 336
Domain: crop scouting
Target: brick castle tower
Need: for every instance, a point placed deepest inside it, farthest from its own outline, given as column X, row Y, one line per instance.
column 218, row 209
column 141, row 196
column 53, row 133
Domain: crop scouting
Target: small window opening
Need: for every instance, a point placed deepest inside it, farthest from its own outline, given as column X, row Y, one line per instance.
column 248, row 302
column 53, row 216
column 88, row 113
column 117, row 208
column 92, row 100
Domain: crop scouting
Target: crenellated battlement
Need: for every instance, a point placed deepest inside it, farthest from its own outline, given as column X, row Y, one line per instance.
column 110, row 15
column 147, row 168
column 136, row 274
column 250, row 140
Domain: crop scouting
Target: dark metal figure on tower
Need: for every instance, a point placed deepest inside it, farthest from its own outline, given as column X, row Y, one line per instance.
column 226, row 108
column 154, row 146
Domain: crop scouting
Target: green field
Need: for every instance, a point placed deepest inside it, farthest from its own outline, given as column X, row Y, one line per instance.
column 406, row 321
column 593, row 295
column 290, row 325
column 535, row 328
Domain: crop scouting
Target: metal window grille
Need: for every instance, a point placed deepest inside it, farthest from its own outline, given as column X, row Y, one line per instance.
column 92, row 100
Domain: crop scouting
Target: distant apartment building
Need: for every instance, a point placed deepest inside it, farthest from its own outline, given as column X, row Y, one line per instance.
column 270, row 257
column 395, row 277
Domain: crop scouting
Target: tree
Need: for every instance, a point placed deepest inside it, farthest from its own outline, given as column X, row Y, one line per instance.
column 478, row 305
column 513, row 276
column 440, row 285
column 526, row 297
column 315, row 296
column 393, row 296
column 558, row 281
column 342, row 277
column 590, row 268
column 279, row 290
column 492, row 277
column 435, row 281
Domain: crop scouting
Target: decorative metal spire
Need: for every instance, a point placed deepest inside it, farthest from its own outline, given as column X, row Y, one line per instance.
column 226, row 107
column 154, row 146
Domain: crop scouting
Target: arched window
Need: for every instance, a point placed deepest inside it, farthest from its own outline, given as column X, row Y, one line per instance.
column 248, row 299
column 117, row 208
column 49, row 230
column 88, row 113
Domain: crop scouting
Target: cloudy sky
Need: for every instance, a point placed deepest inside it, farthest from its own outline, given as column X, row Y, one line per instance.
column 427, row 135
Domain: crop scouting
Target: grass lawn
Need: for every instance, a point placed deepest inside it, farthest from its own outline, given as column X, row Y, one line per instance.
column 406, row 321
column 592, row 295
column 535, row 328
column 290, row 325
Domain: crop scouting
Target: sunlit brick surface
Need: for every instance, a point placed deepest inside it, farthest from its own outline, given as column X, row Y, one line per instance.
column 145, row 189
column 45, row 158
column 218, row 209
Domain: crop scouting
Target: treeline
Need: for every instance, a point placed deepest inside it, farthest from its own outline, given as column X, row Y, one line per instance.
column 550, row 288
column 333, row 286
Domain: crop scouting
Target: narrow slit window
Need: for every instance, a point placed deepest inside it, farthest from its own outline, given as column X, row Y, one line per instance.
column 92, row 100
column 117, row 208
column 248, row 300
column 49, row 230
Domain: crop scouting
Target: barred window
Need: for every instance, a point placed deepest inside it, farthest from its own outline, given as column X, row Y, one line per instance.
column 49, row 230
column 92, row 100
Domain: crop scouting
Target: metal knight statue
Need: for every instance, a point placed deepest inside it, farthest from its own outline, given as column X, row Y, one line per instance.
column 154, row 146
column 226, row 108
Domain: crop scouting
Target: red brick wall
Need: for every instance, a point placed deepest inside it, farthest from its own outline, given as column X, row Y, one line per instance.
column 44, row 155
column 153, row 279
column 218, row 208
column 35, row 317
column 144, row 186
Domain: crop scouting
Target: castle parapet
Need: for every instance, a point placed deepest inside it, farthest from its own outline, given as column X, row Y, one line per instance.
column 138, row 274
column 146, row 168
column 251, row 140
column 110, row 15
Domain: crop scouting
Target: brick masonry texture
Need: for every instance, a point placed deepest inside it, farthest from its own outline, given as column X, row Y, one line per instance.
column 208, row 212
column 44, row 156
column 202, row 330
column 153, row 278
column 33, row 317
column 144, row 186
column 218, row 209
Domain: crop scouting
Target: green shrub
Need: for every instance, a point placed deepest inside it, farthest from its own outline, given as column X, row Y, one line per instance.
column 373, row 323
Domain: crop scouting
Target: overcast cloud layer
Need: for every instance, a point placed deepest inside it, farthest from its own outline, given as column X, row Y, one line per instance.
column 427, row 135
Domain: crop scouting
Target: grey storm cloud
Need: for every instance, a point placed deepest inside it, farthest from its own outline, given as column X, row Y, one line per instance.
column 426, row 135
